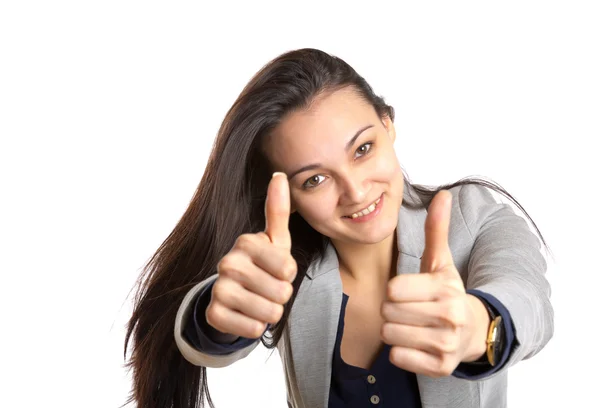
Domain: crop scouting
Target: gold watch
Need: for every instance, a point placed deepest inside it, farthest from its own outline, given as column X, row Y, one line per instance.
column 495, row 340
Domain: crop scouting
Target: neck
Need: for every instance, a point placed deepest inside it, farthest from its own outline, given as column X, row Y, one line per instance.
column 368, row 264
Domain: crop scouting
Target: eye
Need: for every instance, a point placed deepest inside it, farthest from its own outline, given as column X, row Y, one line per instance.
column 313, row 182
column 363, row 149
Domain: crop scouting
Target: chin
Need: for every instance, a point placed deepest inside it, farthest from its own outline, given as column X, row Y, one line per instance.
column 378, row 235
column 373, row 235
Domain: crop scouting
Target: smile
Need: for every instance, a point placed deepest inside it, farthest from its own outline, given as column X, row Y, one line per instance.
column 365, row 211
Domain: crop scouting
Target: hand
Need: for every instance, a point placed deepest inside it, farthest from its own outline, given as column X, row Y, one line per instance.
column 430, row 321
column 254, row 278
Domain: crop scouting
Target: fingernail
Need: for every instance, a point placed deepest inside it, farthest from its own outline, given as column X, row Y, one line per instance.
column 278, row 173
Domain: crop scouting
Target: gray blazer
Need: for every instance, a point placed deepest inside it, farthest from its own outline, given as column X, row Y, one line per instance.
column 493, row 249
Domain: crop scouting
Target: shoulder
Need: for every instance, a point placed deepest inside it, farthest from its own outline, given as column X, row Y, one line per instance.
column 469, row 196
column 474, row 205
column 480, row 211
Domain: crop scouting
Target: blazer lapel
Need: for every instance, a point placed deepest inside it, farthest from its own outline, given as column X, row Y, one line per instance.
column 410, row 233
column 313, row 327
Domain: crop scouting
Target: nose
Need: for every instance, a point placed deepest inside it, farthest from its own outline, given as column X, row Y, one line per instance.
column 355, row 188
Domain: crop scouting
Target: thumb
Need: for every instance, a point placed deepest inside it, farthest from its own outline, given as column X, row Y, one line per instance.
column 437, row 253
column 277, row 211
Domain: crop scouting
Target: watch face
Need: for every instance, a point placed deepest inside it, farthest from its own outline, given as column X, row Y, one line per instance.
column 498, row 339
column 495, row 333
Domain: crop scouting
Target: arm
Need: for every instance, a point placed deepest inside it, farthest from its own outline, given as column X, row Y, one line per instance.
column 206, row 338
column 190, row 351
column 506, row 263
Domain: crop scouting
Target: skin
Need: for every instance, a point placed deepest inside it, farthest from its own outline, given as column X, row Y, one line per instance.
column 429, row 320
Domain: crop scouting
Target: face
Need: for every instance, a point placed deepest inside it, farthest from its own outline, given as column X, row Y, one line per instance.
column 345, row 179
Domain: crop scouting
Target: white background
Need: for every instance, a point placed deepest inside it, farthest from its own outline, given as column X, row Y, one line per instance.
column 108, row 111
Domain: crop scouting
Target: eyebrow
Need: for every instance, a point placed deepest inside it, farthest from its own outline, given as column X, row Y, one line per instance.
column 314, row 166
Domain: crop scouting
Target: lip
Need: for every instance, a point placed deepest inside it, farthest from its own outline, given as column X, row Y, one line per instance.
column 370, row 216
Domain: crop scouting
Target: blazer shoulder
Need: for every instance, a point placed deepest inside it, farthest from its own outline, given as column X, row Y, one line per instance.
column 475, row 204
column 473, row 195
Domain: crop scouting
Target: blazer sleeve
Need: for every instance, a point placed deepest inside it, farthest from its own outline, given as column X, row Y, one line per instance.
column 507, row 263
column 191, row 353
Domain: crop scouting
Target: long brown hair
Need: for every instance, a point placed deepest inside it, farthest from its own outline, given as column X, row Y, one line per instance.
column 229, row 201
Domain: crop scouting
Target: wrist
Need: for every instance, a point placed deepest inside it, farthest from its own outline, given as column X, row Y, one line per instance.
column 479, row 324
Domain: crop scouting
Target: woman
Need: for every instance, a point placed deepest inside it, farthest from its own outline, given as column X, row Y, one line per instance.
column 323, row 261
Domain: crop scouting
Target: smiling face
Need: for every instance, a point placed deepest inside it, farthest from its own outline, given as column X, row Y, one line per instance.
column 345, row 179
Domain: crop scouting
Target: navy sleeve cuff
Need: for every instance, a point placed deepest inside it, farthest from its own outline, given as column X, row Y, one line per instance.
column 479, row 371
column 197, row 329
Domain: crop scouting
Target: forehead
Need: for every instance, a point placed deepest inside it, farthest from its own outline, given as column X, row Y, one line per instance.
column 319, row 131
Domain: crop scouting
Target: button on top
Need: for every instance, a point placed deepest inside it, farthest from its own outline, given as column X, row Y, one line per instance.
column 374, row 399
column 371, row 379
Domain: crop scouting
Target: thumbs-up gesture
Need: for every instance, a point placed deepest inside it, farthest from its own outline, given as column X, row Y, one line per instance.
column 254, row 278
column 430, row 321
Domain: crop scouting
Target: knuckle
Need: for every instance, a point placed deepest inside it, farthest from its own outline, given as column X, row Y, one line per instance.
column 452, row 314
column 285, row 292
column 214, row 314
column 234, row 273
column 290, row 269
column 256, row 330
column 227, row 269
column 386, row 332
column 230, row 267
column 386, row 310
column 223, row 264
column 445, row 367
column 226, row 292
column 447, row 344
column 261, row 237
column 391, row 287
column 395, row 356
column 389, row 291
column 244, row 242
column 219, row 289
column 235, row 296
column 227, row 264
column 276, row 313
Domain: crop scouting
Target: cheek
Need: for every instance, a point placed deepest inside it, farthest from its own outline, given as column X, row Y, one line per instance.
column 316, row 208
column 387, row 167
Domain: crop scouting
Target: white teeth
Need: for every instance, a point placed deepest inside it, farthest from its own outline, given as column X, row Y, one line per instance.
column 367, row 210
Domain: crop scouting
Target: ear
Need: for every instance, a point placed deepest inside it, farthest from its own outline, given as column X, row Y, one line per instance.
column 389, row 126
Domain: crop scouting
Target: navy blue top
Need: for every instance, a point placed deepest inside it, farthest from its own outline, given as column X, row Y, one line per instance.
column 384, row 385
